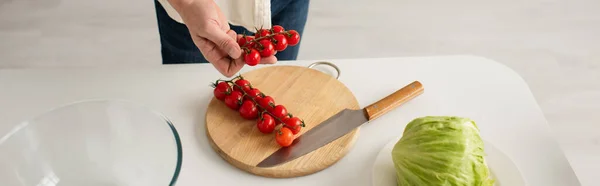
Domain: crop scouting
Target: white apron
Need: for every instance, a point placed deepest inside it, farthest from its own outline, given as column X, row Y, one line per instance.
column 247, row 13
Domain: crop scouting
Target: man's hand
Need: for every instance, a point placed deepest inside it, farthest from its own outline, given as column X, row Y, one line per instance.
column 210, row 32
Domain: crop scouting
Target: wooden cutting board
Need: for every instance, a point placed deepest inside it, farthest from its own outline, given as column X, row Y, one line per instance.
column 306, row 93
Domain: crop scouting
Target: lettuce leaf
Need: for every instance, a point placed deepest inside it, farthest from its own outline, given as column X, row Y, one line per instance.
column 441, row 151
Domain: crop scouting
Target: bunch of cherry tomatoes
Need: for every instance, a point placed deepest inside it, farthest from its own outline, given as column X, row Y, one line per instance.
column 266, row 42
column 238, row 94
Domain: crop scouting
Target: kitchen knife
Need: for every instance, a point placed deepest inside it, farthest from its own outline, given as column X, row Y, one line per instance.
column 340, row 124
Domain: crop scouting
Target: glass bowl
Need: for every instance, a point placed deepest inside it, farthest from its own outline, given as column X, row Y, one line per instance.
column 92, row 143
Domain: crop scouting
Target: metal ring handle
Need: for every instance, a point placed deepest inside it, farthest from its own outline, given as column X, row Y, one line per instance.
column 328, row 64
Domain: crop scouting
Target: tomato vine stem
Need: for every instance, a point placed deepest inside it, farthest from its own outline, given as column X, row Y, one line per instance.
column 255, row 40
column 264, row 110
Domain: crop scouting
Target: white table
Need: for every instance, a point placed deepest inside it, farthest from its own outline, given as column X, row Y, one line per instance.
column 491, row 94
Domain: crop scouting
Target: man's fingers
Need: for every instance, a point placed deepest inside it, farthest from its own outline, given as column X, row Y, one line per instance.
column 268, row 60
column 240, row 36
column 232, row 34
column 235, row 65
column 227, row 66
column 238, row 64
column 224, row 41
column 219, row 59
column 208, row 49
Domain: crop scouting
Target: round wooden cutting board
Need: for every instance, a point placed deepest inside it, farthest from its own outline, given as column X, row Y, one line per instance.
column 306, row 93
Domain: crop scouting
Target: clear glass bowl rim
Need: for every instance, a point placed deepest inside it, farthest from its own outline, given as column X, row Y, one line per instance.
column 16, row 129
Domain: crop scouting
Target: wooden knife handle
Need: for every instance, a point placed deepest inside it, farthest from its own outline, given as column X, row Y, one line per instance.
column 393, row 100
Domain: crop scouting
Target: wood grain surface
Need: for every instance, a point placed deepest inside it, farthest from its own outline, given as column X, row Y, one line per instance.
column 306, row 93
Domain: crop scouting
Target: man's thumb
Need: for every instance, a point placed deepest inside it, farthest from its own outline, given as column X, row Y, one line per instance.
column 224, row 42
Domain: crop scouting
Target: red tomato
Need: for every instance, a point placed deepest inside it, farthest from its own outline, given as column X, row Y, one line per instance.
column 253, row 93
column 293, row 38
column 221, row 90
column 261, row 33
column 284, row 137
column 280, row 42
column 267, row 102
column 267, row 48
column 294, row 124
column 266, row 124
column 244, row 84
column 288, row 116
column 294, row 121
column 234, row 100
column 252, row 58
column 295, row 130
column 277, row 29
column 245, row 40
column 280, row 112
column 248, row 110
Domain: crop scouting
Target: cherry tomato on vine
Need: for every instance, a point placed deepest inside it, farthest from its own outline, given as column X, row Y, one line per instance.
column 267, row 102
column 248, row 110
column 267, row 48
column 294, row 124
column 295, row 130
column 266, row 124
column 243, row 40
column 293, row 38
column 277, row 29
column 221, row 90
column 288, row 116
column 279, row 111
column 253, row 93
column 280, row 42
column 261, row 33
column 284, row 137
column 234, row 100
column 244, row 84
column 252, row 58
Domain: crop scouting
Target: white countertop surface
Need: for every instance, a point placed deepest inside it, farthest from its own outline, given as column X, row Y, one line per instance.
column 488, row 92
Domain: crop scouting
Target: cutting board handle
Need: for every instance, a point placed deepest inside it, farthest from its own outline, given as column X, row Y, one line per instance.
column 393, row 100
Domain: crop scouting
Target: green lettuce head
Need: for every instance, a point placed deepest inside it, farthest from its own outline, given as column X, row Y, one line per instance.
column 441, row 151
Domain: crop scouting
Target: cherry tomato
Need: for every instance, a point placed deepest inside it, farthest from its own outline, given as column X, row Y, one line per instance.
column 288, row 116
column 253, row 93
column 234, row 100
column 244, row 84
column 267, row 48
column 261, row 33
column 248, row 110
column 294, row 124
column 277, row 29
column 252, row 58
column 244, row 40
column 280, row 42
column 293, row 38
column 267, row 102
column 294, row 121
column 284, row 137
column 295, row 130
column 266, row 124
column 221, row 90
column 280, row 112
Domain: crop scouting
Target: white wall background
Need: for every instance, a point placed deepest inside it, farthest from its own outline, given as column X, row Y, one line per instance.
column 553, row 44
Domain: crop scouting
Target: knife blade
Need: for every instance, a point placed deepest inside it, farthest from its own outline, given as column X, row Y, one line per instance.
column 340, row 124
